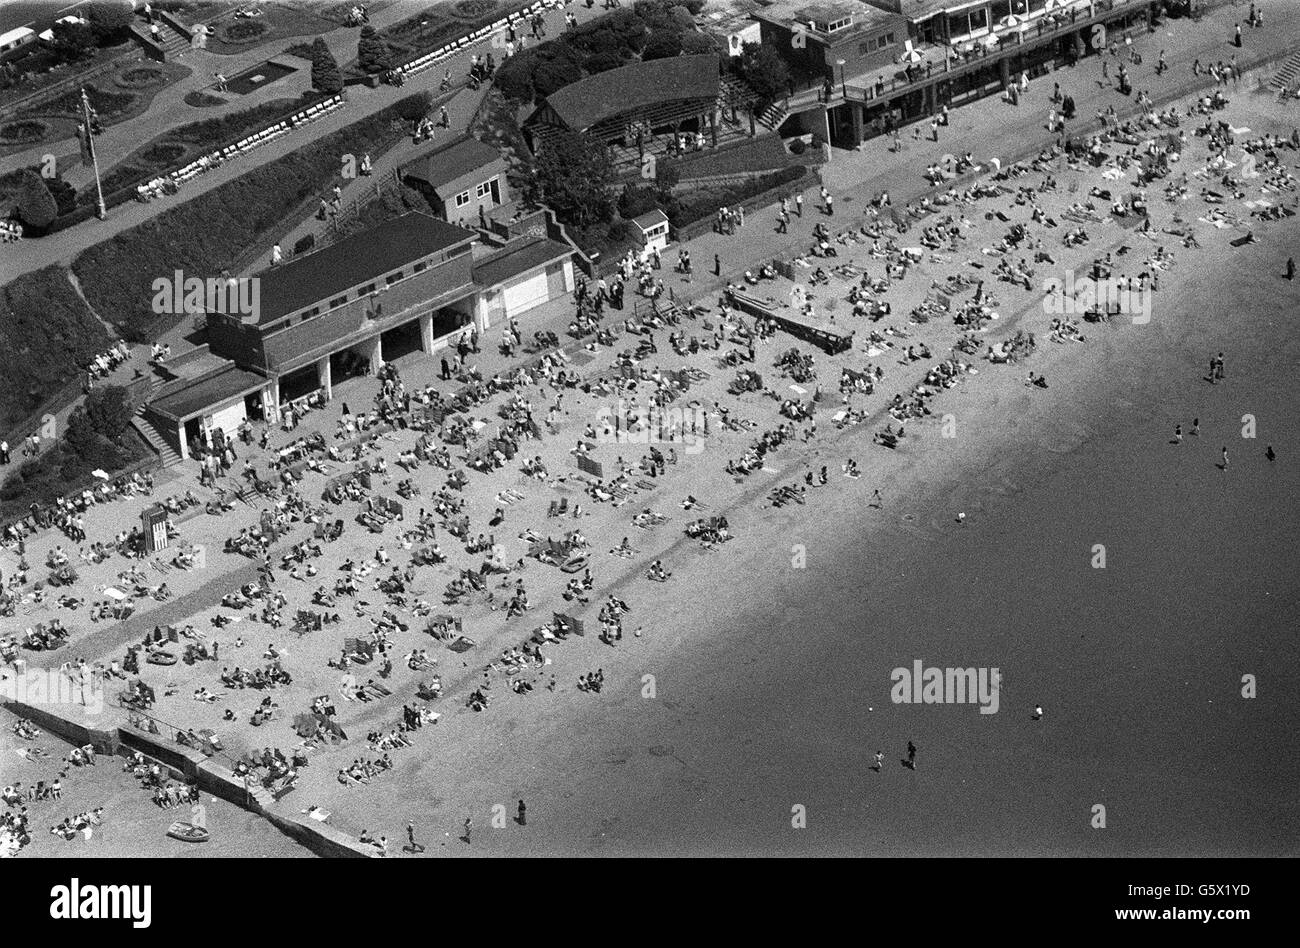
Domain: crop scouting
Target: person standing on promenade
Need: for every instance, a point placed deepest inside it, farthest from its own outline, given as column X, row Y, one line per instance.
column 798, row 204
column 1236, row 39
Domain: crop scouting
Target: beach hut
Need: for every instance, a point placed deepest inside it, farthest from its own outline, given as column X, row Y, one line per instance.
column 652, row 229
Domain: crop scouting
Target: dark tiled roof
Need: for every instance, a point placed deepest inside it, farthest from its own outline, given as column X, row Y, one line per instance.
column 582, row 104
column 207, row 393
column 516, row 257
column 452, row 162
column 354, row 261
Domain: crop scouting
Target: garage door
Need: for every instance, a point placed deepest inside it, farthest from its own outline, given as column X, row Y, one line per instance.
column 526, row 294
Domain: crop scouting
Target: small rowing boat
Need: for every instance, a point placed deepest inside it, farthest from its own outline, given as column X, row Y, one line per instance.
column 188, row 832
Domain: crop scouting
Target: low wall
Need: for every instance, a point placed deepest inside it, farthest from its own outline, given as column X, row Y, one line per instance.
column 79, row 734
column 763, row 199
column 321, row 839
column 210, row 776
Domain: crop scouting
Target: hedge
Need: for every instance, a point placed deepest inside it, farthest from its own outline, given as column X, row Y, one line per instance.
column 210, row 232
column 46, row 334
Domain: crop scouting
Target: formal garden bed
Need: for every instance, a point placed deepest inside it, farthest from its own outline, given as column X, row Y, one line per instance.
column 237, row 35
column 141, row 77
column 119, row 96
column 42, row 68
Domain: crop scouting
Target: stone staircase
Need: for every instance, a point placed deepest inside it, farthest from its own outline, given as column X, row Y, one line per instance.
column 1287, row 78
column 166, row 453
column 773, row 116
column 174, row 43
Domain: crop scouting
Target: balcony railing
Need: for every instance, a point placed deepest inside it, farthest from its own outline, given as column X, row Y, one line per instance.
column 1048, row 27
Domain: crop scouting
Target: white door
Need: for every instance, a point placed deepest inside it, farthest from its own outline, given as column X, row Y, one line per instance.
column 526, row 294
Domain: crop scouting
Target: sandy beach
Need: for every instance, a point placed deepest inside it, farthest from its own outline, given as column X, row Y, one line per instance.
column 773, row 683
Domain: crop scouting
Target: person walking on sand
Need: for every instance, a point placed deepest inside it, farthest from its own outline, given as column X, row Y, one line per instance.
column 1290, row 268
column 1218, row 371
column 1178, row 434
column 880, row 762
column 911, row 755
column 469, row 827
column 1270, row 454
column 523, row 814
column 1224, row 465
column 798, row 204
column 1196, row 427
column 876, row 500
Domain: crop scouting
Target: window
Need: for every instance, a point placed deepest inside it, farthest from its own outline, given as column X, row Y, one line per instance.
column 884, row 42
column 836, row 25
column 368, row 288
column 420, row 265
column 394, row 277
column 484, row 189
column 338, row 301
column 314, row 311
column 462, row 199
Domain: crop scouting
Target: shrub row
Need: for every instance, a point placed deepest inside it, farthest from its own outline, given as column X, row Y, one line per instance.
column 46, row 334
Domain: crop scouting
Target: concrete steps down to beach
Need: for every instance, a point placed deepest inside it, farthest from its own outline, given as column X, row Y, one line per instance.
column 1287, row 78
column 150, row 434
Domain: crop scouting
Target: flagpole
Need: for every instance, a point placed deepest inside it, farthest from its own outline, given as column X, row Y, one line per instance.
column 90, row 147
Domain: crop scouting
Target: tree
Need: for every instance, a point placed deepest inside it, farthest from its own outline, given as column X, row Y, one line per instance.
column 663, row 44
column 553, row 75
column 602, row 62
column 36, row 205
column 574, row 175
column 373, row 54
column 765, row 71
column 414, row 107
column 695, row 42
column 65, row 195
column 110, row 21
column 325, row 75
column 73, row 41
column 108, row 411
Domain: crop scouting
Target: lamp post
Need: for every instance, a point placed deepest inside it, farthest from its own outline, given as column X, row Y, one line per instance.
column 844, row 91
